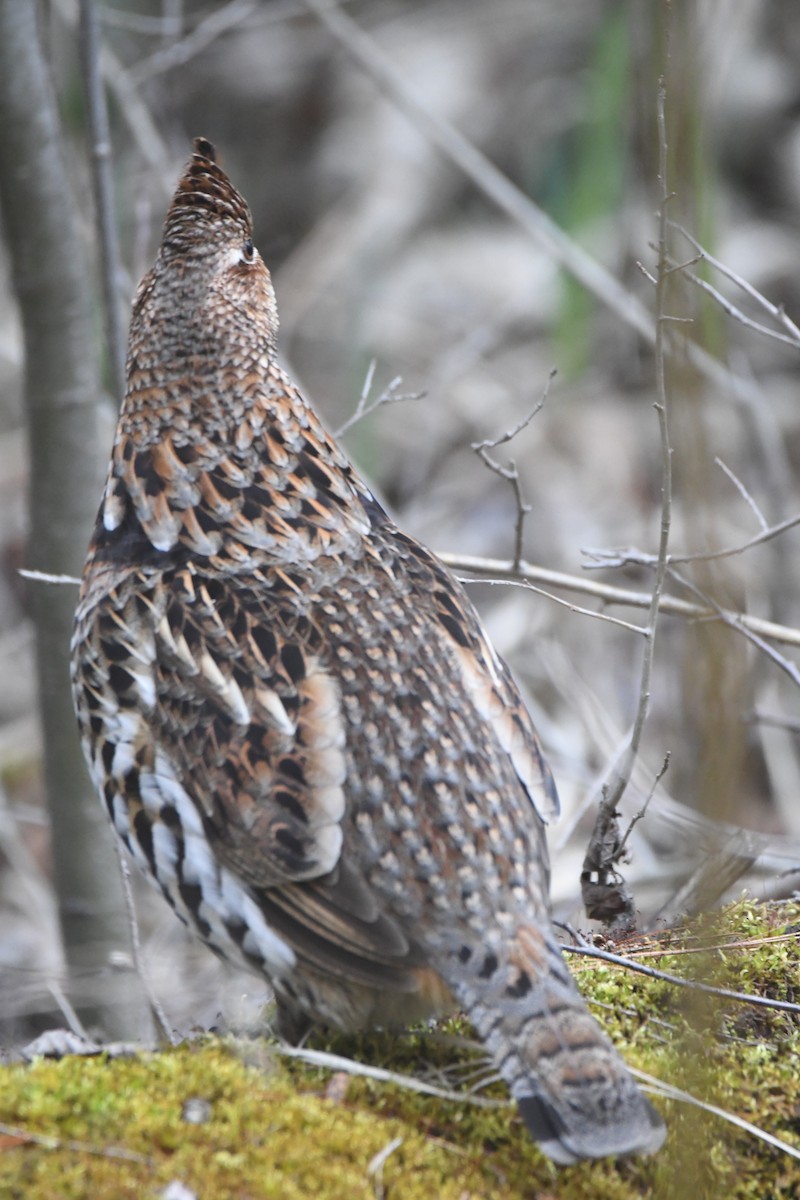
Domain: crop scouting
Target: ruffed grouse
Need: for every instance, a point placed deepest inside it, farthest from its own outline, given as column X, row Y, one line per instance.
column 295, row 718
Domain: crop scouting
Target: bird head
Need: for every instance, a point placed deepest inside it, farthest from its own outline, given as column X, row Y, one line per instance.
column 208, row 273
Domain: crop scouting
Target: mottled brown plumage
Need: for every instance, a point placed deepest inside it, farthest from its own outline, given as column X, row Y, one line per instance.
column 295, row 718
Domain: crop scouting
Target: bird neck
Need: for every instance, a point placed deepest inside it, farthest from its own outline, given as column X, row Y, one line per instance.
column 227, row 460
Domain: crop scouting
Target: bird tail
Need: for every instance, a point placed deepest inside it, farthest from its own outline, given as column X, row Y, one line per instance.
column 574, row 1092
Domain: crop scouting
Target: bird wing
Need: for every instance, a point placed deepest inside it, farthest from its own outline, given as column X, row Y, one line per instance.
column 222, row 759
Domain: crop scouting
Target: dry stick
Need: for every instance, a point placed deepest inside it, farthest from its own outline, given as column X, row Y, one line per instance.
column 156, row 1008
column 730, row 308
column 103, row 194
column 743, row 492
column 775, row 311
column 510, row 472
column 669, row 1092
column 632, row 556
column 610, row 802
column 575, row 608
column 483, row 173
column 789, row 668
column 643, row 810
column 693, row 984
column 365, row 406
column 335, row 1062
column 607, row 593
column 604, row 893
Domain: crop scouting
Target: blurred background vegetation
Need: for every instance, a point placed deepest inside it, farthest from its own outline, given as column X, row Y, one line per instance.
column 382, row 250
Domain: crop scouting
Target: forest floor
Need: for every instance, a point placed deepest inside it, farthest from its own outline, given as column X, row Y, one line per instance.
column 231, row 1116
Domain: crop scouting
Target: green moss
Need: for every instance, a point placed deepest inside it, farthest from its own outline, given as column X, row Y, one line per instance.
column 271, row 1131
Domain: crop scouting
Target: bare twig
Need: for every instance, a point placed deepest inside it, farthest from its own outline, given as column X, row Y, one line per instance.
column 630, row 556
column 510, row 472
column 501, row 571
column 693, row 984
column 377, row 1163
column 743, row 492
column 780, row 660
column 335, row 1062
column 643, row 810
column 623, row 773
column 575, row 608
column 775, row 311
column 67, row 1011
column 606, row 593
column 603, row 890
column 658, row 1088
column 774, row 720
column 365, row 406
column 483, row 173
column 156, row 1008
column 736, row 313
column 46, row 577
column 103, row 195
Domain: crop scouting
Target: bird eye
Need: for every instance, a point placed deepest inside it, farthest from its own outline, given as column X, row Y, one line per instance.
column 248, row 251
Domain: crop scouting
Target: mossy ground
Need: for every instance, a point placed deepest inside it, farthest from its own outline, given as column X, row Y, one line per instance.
column 273, row 1130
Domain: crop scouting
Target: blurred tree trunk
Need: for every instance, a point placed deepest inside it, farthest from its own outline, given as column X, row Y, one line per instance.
column 63, row 405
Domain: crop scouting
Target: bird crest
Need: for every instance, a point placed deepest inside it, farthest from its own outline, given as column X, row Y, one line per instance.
column 204, row 198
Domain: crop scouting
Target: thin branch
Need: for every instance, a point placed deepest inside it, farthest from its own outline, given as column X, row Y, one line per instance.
column 643, row 810
column 789, row 668
column 103, row 194
column 46, row 577
column 623, row 774
column 156, row 1008
column 773, row 720
column 376, row 1164
column 767, row 535
column 632, row 556
column 510, row 472
column 365, row 406
column 67, row 1010
column 658, row 1088
column 575, row 608
column 775, row 311
column 743, row 492
column 678, row 981
column 753, row 943
column 477, row 167
column 335, row 1062
column 604, row 892
column 606, row 593
column 736, row 313
column 528, row 575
